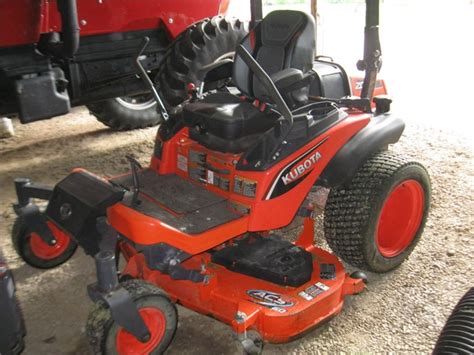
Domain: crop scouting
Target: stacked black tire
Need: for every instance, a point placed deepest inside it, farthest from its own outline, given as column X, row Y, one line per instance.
column 201, row 44
column 457, row 336
column 12, row 327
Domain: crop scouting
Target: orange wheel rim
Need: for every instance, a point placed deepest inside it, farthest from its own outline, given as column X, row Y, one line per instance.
column 155, row 321
column 43, row 250
column 400, row 218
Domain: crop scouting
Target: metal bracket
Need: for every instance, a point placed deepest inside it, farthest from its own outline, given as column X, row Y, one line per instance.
column 146, row 79
column 135, row 166
column 107, row 288
column 35, row 222
column 251, row 341
column 26, row 190
column 168, row 260
column 177, row 272
column 34, row 219
column 123, row 309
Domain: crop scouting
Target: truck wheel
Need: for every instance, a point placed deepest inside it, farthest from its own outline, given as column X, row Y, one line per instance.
column 457, row 336
column 159, row 314
column 126, row 113
column 201, row 44
column 376, row 220
column 37, row 253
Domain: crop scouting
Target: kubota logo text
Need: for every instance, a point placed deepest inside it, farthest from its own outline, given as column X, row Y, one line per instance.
column 302, row 168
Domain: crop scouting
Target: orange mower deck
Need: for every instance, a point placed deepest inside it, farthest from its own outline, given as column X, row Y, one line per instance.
column 277, row 313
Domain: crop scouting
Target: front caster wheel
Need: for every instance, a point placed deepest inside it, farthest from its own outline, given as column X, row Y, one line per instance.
column 36, row 252
column 376, row 220
column 157, row 311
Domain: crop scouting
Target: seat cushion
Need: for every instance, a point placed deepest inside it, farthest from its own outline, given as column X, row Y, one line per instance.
column 227, row 117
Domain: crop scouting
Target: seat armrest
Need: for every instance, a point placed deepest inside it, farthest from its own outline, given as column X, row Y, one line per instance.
column 293, row 84
column 216, row 71
column 292, row 79
column 286, row 77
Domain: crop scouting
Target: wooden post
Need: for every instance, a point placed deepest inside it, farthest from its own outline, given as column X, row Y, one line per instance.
column 314, row 9
column 314, row 12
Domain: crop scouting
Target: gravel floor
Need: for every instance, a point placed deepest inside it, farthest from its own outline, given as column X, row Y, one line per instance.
column 402, row 311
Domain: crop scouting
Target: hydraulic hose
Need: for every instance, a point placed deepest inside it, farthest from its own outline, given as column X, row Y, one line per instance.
column 70, row 28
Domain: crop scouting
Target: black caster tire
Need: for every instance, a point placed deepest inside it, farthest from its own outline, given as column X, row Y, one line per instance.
column 457, row 336
column 37, row 253
column 376, row 220
column 158, row 312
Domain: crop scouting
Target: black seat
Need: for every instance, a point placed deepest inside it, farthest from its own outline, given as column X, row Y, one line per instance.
column 283, row 44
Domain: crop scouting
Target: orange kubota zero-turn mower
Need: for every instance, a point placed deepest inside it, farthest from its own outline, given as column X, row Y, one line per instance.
column 201, row 225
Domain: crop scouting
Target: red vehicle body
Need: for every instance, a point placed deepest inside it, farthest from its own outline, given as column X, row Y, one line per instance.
column 227, row 293
column 69, row 53
column 102, row 16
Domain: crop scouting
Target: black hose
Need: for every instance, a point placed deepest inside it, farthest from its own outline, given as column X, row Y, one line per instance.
column 70, row 28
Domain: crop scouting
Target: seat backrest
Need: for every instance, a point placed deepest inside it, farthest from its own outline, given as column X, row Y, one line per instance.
column 283, row 39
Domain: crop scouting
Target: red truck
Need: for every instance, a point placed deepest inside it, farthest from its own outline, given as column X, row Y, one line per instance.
column 55, row 54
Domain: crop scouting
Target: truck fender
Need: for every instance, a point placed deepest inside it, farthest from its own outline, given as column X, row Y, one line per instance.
column 378, row 134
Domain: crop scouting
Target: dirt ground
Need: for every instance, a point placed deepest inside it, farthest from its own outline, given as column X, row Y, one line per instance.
column 402, row 311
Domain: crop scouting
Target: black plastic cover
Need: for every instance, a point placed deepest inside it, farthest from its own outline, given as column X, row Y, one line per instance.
column 267, row 258
column 224, row 123
column 378, row 134
column 227, row 117
column 331, row 81
column 78, row 200
column 39, row 98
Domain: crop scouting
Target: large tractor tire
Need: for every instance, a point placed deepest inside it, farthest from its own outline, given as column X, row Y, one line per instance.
column 376, row 220
column 126, row 113
column 201, row 44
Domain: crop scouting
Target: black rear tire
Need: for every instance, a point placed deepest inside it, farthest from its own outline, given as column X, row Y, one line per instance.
column 457, row 336
column 353, row 212
column 121, row 114
column 103, row 332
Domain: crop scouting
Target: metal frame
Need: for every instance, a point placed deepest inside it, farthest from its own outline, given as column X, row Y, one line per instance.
column 26, row 190
column 34, row 219
column 372, row 61
column 107, row 288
